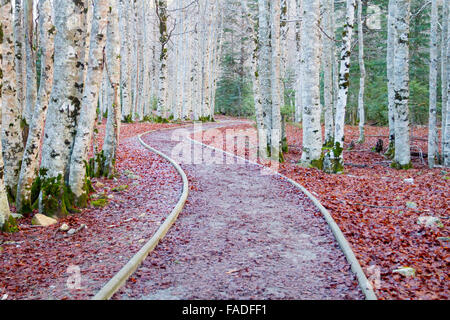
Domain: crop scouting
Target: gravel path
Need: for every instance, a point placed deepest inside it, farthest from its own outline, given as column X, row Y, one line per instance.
column 242, row 235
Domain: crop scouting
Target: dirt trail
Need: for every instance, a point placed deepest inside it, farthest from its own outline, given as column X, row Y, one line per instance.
column 242, row 235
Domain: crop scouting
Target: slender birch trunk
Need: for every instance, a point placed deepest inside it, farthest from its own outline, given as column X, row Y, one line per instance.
column 362, row 80
column 30, row 52
column 433, row 139
column 328, row 42
column 19, row 49
column 12, row 141
column 390, row 74
column 401, row 85
column 446, row 130
column 64, row 106
column 298, row 70
column 262, row 135
column 5, row 9
column 344, row 77
column 86, row 122
column 265, row 66
column 161, row 9
column 113, row 71
column 311, row 49
column 30, row 162
column 125, row 71
column 276, row 80
column 444, row 73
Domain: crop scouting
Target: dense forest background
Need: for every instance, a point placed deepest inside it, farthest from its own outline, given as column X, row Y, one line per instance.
column 234, row 91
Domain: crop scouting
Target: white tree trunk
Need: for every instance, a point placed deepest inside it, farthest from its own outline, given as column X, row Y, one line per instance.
column 161, row 7
column 433, row 139
column 30, row 162
column 328, row 43
column 31, row 85
column 19, row 52
column 401, row 84
column 446, row 130
column 265, row 66
column 5, row 9
column 11, row 131
column 113, row 70
column 390, row 74
column 298, row 70
column 125, row 71
column 276, row 80
column 444, row 66
column 86, row 122
column 311, row 49
column 362, row 80
column 344, row 74
column 64, row 106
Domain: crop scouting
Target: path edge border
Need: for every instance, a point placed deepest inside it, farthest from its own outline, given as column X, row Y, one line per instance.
column 363, row 282
column 119, row 279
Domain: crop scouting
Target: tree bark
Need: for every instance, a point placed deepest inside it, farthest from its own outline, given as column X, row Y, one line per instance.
column 401, row 84
column 30, row 162
column 85, row 128
column 113, row 71
column 11, row 131
column 362, row 68
column 311, row 49
column 344, row 75
column 433, row 138
column 64, row 107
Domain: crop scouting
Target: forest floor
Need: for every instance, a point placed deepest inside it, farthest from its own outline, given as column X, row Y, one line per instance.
column 378, row 207
column 43, row 263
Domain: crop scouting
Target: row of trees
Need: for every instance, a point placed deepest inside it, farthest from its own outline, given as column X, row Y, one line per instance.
column 65, row 64
column 320, row 42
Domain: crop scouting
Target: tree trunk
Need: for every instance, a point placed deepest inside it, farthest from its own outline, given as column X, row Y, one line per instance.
column 265, row 67
column 433, row 138
column 19, row 53
column 328, row 43
column 30, row 162
column 86, row 122
column 113, row 70
column 444, row 66
column 362, row 81
column 446, row 130
column 64, row 107
column 401, row 85
column 390, row 75
column 161, row 9
column 11, row 132
column 344, row 76
column 31, row 85
column 5, row 9
column 311, row 49
column 125, row 74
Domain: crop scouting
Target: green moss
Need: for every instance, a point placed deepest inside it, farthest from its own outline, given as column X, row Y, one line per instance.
column 399, row 166
column 10, row 225
column 327, row 163
column 390, row 152
column 120, row 188
column 57, row 198
column 100, row 203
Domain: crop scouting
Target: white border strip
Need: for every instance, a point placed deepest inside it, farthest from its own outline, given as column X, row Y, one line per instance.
column 122, row 276
column 339, row 236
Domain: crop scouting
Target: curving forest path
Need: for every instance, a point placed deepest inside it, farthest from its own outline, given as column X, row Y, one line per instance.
column 242, row 235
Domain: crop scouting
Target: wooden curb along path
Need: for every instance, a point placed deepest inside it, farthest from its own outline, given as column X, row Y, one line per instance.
column 125, row 273
column 363, row 282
